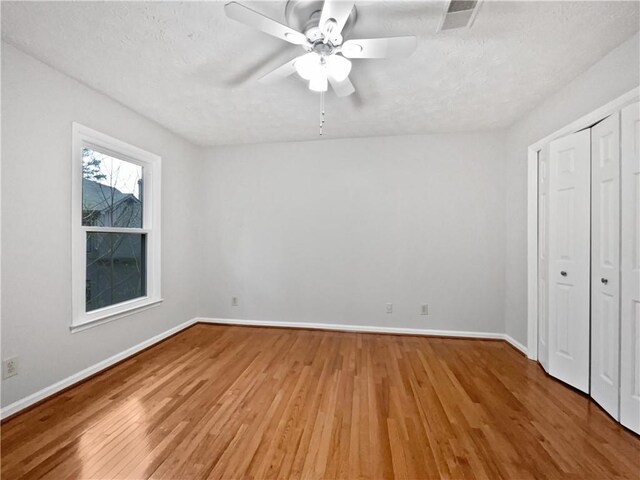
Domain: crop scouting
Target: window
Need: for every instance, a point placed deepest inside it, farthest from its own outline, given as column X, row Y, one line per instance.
column 116, row 228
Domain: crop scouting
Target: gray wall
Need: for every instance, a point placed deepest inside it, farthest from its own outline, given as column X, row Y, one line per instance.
column 38, row 106
column 614, row 75
column 330, row 231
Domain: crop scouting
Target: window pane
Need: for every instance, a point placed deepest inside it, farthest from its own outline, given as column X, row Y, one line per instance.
column 116, row 268
column 111, row 191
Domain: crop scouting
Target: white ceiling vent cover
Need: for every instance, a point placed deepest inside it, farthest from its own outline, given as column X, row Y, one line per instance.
column 459, row 14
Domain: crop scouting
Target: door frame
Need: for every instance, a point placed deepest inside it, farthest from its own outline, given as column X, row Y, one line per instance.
column 532, row 205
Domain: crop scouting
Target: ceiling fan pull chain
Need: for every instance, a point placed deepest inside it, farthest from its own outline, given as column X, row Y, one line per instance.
column 321, row 111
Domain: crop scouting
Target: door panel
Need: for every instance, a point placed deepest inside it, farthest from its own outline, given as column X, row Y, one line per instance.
column 543, row 257
column 564, row 304
column 569, row 258
column 605, row 263
column 630, row 269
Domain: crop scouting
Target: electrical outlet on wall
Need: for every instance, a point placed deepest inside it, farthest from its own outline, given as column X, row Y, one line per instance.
column 424, row 309
column 10, row 367
column 234, row 301
column 389, row 308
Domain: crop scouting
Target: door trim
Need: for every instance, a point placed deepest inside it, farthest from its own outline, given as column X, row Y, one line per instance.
column 532, row 206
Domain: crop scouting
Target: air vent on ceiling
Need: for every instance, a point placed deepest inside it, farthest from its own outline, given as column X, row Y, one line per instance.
column 459, row 14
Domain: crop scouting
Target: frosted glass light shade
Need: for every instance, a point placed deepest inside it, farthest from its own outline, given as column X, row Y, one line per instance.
column 308, row 66
column 319, row 82
column 339, row 67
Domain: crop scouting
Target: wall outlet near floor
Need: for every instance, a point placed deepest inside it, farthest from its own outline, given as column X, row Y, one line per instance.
column 424, row 309
column 234, row 301
column 389, row 308
column 10, row 367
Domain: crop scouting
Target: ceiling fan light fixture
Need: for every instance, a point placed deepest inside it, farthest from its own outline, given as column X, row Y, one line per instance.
column 319, row 83
column 339, row 67
column 309, row 66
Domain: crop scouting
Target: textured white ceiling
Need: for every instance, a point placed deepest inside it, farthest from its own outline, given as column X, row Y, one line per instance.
column 188, row 67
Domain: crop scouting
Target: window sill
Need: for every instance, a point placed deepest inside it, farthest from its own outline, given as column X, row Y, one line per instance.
column 111, row 316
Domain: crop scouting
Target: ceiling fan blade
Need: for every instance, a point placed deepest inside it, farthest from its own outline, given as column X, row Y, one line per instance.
column 281, row 72
column 379, row 47
column 242, row 74
column 254, row 19
column 338, row 10
column 343, row 88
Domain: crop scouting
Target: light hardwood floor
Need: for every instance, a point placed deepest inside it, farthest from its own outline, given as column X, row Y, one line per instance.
column 241, row 402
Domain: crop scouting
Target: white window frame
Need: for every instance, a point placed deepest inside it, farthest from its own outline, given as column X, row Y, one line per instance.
column 86, row 137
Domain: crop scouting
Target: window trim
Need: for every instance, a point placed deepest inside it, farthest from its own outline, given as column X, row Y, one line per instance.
column 86, row 137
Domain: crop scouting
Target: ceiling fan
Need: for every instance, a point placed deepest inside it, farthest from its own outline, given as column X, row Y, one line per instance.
column 321, row 29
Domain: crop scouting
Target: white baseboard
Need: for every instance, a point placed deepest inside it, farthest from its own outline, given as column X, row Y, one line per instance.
column 87, row 372
column 368, row 329
column 516, row 344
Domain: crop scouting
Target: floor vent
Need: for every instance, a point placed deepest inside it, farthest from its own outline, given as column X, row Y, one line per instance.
column 459, row 14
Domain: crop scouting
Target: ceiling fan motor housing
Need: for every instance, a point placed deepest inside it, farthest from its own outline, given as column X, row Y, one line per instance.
column 322, row 49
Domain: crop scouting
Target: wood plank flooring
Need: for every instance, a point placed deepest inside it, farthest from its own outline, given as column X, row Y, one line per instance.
column 238, row 402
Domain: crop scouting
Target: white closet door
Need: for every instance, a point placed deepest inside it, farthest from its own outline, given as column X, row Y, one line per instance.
column 569, row 258
column 630, row 270
column 605, row 263
column 543, row 257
